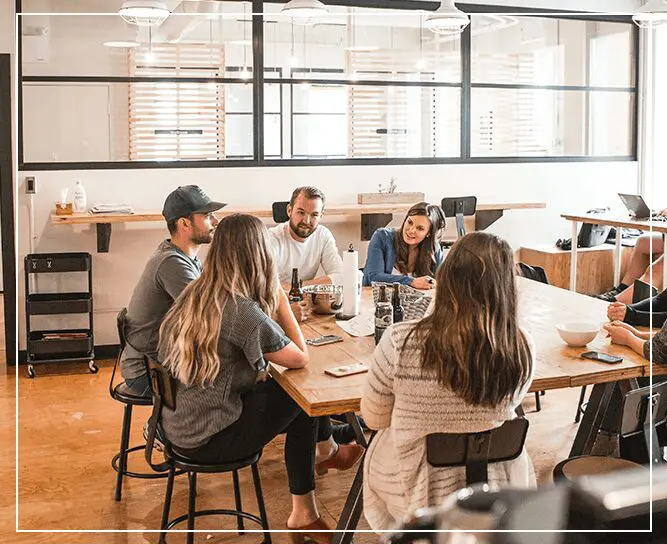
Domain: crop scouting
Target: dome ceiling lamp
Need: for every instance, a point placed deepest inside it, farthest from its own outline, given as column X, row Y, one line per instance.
column 447, row 19
column 304, row 11
column 144, row 12
column 653, row 13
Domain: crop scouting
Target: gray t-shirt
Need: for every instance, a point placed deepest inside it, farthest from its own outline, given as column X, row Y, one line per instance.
column 167, row 273
column 246, row 334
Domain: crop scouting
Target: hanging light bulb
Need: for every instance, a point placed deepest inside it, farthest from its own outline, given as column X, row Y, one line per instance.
column 653, row 13
column 447, row 19
column 150, row 55
column 421, row 63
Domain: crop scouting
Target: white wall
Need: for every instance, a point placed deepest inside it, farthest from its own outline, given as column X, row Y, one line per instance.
column 7, row 38
column 563, row 186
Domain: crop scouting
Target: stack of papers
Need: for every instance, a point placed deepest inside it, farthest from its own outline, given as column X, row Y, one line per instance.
column 111, row 208
column 361, row 325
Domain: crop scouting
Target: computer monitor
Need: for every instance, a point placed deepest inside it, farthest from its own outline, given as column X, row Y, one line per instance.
column 636, row 205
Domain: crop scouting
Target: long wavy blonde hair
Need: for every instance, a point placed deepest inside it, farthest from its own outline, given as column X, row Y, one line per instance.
column 471, row 342
column 239, row 264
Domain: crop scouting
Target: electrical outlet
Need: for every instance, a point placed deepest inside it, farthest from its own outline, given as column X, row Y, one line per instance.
column 30, row 185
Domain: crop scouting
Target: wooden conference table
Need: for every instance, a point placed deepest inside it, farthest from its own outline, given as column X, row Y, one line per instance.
column 558, row 366
column 618, row 222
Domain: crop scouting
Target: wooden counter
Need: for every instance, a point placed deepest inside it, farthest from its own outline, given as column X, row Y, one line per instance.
column 372, row 216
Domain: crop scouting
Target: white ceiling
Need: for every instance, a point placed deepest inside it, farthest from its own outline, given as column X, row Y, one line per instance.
column 110, row 6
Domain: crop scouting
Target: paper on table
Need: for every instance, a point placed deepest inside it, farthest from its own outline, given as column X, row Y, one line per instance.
column 361, row 325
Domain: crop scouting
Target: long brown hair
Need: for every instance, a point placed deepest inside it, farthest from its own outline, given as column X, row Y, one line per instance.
column 471, row 341
column 239, row 264
column 426, row 250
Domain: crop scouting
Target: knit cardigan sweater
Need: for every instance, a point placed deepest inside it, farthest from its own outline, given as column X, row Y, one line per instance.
column 406, row 406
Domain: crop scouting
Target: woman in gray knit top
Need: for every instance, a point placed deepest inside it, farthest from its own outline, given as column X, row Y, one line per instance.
column 464, row 368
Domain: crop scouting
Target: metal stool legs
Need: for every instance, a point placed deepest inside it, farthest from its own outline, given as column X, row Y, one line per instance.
column 192, row 514
column 580, row 404
column 192, row 493
column 260, row 504
column 237, row 500
column 122, row 455
column 167, row 505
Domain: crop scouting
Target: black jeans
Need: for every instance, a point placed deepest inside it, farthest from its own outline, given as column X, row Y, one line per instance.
column 639, row 313
column 267, row 412
column 140, row 386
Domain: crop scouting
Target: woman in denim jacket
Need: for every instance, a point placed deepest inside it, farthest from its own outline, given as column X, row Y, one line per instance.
column 409, row 255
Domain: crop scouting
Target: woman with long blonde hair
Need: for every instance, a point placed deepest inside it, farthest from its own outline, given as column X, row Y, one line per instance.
column 464, row 368
column 217, row 341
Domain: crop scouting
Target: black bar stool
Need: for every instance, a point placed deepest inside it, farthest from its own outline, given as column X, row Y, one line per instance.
column 164, row 394
column 122, row 393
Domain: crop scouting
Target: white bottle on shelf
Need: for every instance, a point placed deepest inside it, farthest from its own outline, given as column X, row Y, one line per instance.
column 79, row 198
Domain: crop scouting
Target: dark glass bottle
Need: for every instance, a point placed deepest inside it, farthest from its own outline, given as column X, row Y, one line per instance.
column 399, row 313
column 295, row 292
column 384, row 314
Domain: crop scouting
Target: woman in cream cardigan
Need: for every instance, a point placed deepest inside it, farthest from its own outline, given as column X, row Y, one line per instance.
column 463, row 368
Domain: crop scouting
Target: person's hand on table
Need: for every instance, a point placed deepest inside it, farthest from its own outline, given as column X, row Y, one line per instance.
column 620, row 333
column 423, row 282
column 301, row 310
column 664, row 212
column 616, row 311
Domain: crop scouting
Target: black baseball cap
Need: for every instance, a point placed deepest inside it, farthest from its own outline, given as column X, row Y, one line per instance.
column 186, row 200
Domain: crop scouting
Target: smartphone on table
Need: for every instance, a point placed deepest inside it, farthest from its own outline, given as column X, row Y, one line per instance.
column 346, row 370
column 602, row 357
column 323, row 340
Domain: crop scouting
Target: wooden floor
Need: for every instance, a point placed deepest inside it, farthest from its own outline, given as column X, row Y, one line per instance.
column 69, row 429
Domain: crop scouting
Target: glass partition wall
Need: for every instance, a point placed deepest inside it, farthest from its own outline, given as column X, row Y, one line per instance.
column 359, row 84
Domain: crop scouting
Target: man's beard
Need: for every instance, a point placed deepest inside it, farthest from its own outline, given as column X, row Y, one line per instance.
column 202, row 238
column 302, row 231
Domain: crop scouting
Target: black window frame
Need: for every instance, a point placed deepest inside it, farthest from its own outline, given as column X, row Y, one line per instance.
column 258, row 82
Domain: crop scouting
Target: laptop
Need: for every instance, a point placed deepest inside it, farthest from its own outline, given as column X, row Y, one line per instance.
column 636, row 206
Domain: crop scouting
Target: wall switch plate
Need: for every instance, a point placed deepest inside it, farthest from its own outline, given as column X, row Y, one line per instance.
column 30, row 185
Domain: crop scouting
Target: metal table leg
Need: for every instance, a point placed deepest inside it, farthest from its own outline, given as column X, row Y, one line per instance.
column 597, row 406
column 349, row 517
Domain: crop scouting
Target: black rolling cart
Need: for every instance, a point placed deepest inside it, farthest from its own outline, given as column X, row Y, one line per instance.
column 59, row 345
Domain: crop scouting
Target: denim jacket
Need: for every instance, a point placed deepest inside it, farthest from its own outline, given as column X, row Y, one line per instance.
column 381, row 259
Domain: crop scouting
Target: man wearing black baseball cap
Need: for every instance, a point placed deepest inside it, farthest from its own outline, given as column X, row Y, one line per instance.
column 189, row 214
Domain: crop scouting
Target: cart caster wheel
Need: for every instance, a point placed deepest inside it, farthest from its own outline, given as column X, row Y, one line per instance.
column 93, row 367
column 31, row 371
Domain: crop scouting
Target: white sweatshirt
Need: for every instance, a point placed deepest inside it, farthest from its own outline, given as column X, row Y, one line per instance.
column 319, row 249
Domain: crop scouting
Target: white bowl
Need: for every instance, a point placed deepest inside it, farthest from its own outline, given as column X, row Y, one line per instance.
column 577, row 333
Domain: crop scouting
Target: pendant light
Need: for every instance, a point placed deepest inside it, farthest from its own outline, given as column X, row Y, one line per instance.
column 653, row 13
column 144, row 12
column 447, row 19
column 303, row 11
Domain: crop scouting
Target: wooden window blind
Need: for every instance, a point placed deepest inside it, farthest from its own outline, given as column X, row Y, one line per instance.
column 512, row 122
column 174, row 120
column 398, row 121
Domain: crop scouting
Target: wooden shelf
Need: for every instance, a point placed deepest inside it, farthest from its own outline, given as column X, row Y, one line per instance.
column 370, row 215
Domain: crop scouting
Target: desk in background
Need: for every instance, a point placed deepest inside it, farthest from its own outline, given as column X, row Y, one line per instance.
column 618, row 222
